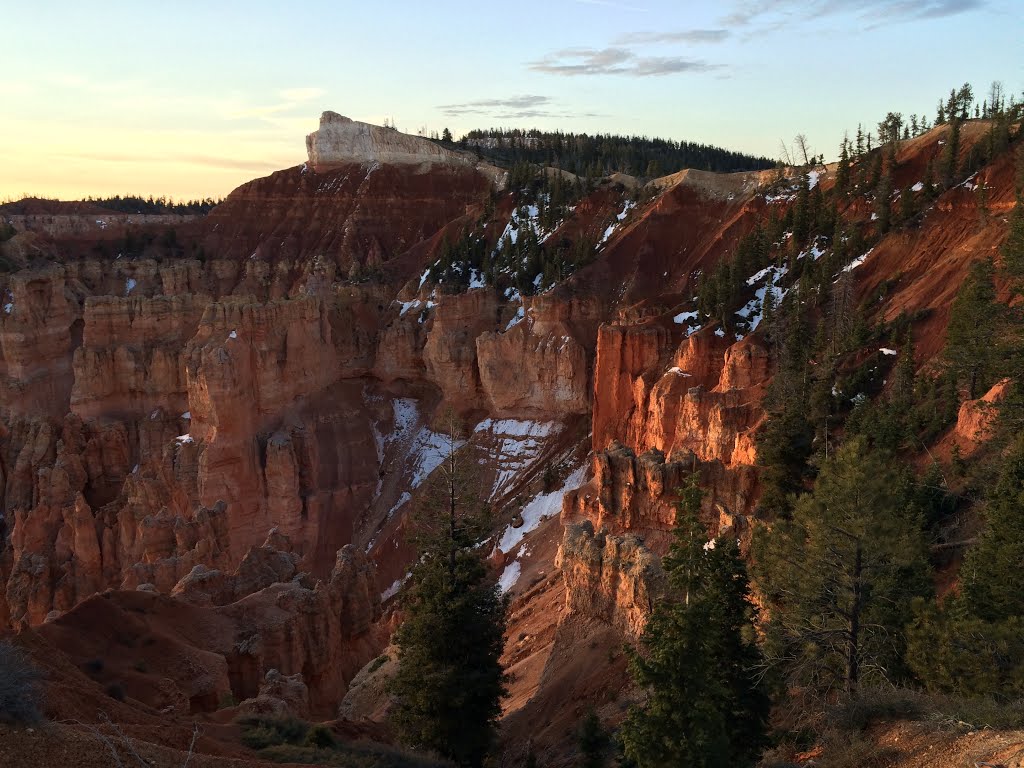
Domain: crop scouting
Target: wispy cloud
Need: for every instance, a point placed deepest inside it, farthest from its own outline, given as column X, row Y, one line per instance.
column 529, row 106
column 615, row 61
column 486, row 106
column 748, row 12
column 682, row 36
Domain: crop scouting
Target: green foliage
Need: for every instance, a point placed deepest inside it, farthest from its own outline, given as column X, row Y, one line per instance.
column 950, row 156
column 449, row 683
column 971, row 335
column 592, row 741
column 990, row 573
column 952, row 651
column 290, row 740
column 883, row 203
column 259, row 732
column 602, row 154
column 1013, row 248
column 518, row 261
column 841, row 573
column 319, row 736
column 785, row 443
column 843, row 169
column 129, row 204
column 698, row 661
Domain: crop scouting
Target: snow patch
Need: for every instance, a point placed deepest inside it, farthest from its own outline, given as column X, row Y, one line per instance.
column 542, row 506
column 233, row 335
column 857, row 262
column 753, row 310
column 683, row 317
column 129, row 286
column 888, row 352
column 516, row 319
column 619, row 218
column 391, row 591
column 510, row 576
column 917, row 187
column 517, row 444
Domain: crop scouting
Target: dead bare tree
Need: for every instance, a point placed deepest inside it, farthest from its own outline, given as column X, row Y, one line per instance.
column 784, row 154
column 802, row 145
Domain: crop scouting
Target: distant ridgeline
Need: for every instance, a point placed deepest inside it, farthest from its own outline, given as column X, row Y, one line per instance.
column 117, row 204
column 602, row 154
column 150, row 204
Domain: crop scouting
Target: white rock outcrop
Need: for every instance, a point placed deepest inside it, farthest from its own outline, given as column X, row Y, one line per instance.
column 341, row 140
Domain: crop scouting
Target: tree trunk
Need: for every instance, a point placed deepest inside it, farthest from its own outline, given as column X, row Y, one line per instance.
column 853, row 643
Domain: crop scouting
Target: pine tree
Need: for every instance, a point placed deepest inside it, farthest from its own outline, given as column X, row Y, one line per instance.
column 698, row 663
column 883, row 203
column 592, row 742
column 784, row 445
column 1013, row 248
column 843, row 170
column 841, row 574
column 989, row 579
column 449, row 685
column 971, row 334
column 974, row 645
column 950, row 157
column 907, row 207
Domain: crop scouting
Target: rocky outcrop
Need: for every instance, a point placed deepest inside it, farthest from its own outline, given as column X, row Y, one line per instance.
column 612, row 578
column 342, row 141
column 975, row 421
column 324, row 632
column 131, row 361
column 356, row 217
column 40, row 327
column 630, row 493
column 279, row 696
column 261, row 567
column 288, row 648
column 625, row 355
column 539, row 365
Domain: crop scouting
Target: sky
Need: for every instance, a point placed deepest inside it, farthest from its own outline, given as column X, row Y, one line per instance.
column 190, row 99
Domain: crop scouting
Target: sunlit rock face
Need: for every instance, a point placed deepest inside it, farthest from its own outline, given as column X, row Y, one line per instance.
column 341, row 140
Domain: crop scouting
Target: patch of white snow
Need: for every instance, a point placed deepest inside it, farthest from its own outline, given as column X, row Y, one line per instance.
column 510, row 576
column 542, row 506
